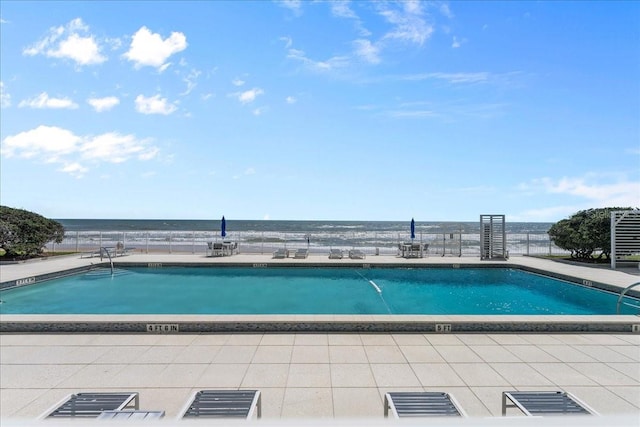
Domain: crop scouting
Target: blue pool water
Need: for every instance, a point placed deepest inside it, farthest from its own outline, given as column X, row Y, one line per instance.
column 271, row 290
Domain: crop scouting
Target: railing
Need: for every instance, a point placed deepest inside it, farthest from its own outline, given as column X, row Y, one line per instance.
column 384, row 243
column 105, row 250
column 621, row 298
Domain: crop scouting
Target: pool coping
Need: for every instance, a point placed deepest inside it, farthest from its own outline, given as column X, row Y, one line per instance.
column 443, row 324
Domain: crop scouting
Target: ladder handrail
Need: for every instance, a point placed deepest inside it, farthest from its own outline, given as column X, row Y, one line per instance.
column 633, row 285
column 109, row 255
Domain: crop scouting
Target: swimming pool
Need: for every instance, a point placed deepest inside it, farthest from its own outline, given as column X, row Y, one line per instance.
column 243, row 290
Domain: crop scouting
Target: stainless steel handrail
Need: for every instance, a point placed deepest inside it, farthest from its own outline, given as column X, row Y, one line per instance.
column 622, row 296
column 109, row 255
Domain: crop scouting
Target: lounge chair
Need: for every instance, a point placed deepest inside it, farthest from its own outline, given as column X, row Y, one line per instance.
column 281, row 253
column 223, row 404
column 356, row 254
column 91, row 405
column 421, row 404
column 131, row 415
column 335, row 254
column 301, row 253
column 541, row 403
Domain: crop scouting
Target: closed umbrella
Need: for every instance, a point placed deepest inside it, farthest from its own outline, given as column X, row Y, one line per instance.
column 223, row 227
column 413, row 229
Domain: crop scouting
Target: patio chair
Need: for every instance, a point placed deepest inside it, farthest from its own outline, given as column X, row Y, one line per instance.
column 421, row 404
column 218, row 249
column 541, row 403
column 301, row 253
column 223, row 404
column 335, row 254
column 131, row 415
column 281, row 253
column 356, row 254
column 91, row 405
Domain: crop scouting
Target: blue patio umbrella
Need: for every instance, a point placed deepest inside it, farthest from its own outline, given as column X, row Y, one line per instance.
column 223, row 227
column 413, row 229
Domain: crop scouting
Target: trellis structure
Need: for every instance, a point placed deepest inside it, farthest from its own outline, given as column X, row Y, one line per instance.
column 625, row 234
column 493, row 237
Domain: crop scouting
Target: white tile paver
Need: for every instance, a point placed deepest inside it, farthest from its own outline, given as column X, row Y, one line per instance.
column 352, row 375
column 309, row 375
column 331, row 371
column 308, row 403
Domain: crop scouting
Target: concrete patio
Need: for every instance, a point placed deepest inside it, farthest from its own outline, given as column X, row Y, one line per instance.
column 322, row 376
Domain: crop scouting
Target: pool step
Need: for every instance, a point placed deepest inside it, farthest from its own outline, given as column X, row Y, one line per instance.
column 99, row 273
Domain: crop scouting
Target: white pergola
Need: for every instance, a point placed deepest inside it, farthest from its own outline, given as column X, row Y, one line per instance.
column 625, row 234
column 493, row 237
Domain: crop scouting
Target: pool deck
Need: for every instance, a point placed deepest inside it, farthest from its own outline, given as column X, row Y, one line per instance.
column 322, row 377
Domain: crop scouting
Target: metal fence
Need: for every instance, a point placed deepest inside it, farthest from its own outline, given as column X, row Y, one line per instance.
column 195, row 242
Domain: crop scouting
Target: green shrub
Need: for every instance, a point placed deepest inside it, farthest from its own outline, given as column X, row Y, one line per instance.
column 24, row 234
column 586, row 234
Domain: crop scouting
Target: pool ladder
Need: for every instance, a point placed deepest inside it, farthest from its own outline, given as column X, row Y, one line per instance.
column 109, row 255
column 620, row 302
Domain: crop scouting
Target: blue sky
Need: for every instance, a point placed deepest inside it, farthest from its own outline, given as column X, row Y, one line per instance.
column 319, row 110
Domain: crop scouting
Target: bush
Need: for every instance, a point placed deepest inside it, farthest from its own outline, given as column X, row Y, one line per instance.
column 24, row 234
column 586, row 233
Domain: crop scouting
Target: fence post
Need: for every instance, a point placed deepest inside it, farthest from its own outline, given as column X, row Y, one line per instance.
column 193, row 235
column 527, row 244
column 170, row 240
column 147, row 242
column 77, row 241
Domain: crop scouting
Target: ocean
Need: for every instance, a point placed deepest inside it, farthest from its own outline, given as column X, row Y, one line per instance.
column 264, row 236
column 309, row 227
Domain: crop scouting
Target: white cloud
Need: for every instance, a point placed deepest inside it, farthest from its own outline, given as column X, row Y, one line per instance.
column 293, row 5
column 248, row 96
column 328, row 65
column 51, row 144
column 259, row 111
column 446, row 11
column 5, row 98
column 191, row 81
column 247, row 172
column 291, row 100
column 237, row 82
column 288, row 42
column 154, row 105
column 455, row 78
column 46, row 142
column 72, row 41
column 367, row 51
column 408, row 23
column 44, row 101
column 74, row 169
column 115, row 148
column 149, row 49
column 457, row 43
column 596, row 190
column 103, row 104
column 340, row 8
